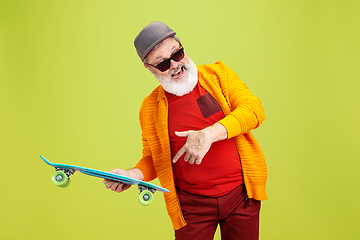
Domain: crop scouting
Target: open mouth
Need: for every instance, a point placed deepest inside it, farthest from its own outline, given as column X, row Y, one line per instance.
column 178, row 74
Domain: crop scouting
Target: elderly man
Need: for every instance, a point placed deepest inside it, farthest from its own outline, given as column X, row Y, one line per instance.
column 196, row 139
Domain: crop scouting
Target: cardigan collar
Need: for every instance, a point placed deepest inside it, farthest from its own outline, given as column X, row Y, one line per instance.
column 161, row 94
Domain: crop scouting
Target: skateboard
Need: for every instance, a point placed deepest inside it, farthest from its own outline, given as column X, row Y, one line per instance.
column 61, row 178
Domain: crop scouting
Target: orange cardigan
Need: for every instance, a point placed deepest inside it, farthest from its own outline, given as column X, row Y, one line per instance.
column 243, row 112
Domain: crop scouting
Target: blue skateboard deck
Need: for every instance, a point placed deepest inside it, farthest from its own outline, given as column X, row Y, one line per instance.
column 146, row 189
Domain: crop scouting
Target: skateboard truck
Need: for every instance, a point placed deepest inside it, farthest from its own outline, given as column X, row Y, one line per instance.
column 145, row 195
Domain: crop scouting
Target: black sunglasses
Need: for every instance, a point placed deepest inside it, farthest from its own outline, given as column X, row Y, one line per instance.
column 165, row 65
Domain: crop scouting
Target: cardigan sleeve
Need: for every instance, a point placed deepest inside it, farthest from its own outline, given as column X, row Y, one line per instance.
column 146, row 164
column 247, row 112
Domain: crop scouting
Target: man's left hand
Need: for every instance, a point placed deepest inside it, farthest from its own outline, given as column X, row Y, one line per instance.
column 199, row 142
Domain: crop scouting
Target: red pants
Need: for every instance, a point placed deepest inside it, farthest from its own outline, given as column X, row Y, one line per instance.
column 238, row 218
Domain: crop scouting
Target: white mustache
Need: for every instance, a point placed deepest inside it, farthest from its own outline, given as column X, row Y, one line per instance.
column 177, row 69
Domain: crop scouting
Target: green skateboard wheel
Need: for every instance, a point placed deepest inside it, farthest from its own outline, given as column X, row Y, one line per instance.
column 66, row 184
column 60, row 179
column 145, row 197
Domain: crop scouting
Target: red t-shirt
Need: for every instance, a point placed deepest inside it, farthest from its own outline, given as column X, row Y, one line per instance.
column 220, row 170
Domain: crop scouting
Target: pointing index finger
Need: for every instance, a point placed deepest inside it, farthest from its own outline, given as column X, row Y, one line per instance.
column 178, row 155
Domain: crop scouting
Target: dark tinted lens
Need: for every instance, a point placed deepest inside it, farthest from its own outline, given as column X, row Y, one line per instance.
column 164, row 65
column 178, row 55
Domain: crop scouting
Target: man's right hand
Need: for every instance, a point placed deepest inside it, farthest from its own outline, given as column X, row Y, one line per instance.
column 120, row 186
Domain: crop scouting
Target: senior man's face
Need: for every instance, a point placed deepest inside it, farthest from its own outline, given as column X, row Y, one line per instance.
column 181, row 77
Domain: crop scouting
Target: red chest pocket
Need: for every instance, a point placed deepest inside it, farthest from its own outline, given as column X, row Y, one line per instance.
column 208, row 106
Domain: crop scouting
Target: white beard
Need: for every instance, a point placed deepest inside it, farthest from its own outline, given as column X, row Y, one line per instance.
column 185, row 85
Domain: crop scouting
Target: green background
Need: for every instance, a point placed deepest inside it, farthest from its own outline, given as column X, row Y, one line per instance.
column 71, row 86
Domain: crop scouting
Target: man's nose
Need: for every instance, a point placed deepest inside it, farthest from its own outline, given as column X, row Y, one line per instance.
column 173, row 64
